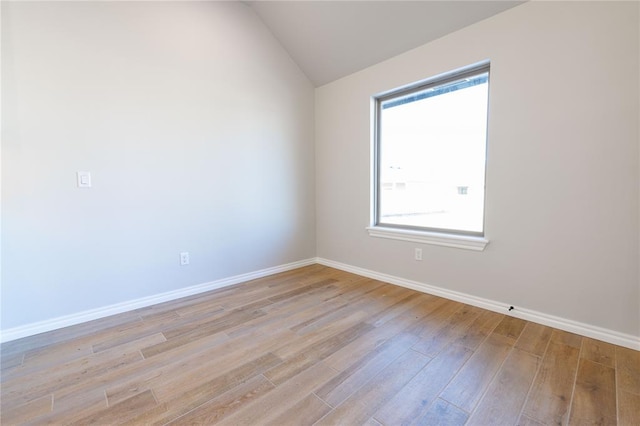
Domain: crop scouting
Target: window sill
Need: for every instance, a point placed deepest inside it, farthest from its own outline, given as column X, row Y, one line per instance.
column 435, row 238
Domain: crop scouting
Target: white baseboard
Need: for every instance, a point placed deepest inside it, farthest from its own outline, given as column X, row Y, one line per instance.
column 118, row 308
column 610, row 336
column 603, row 334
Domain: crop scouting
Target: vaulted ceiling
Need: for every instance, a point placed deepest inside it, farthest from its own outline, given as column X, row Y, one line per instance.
column 332, row 39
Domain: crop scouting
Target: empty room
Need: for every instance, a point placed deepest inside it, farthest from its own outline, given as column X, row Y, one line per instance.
column 320, row 212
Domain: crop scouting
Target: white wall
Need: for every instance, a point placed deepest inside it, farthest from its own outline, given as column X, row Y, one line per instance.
column 562, row 178
column 198, row 131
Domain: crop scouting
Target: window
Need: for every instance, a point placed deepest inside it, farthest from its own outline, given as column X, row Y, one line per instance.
column 430, row 144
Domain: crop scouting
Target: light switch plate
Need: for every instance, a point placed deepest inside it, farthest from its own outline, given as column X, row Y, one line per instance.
column 84, row 180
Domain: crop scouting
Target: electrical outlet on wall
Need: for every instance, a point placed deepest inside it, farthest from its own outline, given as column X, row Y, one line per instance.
column 84, row 179
column 417, row 254
column 184, row 258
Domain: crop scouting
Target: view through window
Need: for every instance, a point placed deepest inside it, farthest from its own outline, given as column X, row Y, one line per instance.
column 431, row 153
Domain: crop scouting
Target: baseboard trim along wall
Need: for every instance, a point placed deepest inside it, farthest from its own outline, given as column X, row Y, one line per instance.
column 118, row 308
column 609, row 336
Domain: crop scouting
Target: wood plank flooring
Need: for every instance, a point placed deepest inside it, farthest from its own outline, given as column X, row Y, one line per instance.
column 316, row 346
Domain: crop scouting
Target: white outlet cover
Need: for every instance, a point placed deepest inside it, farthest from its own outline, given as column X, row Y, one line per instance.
column 84, row 179
column 418, row 254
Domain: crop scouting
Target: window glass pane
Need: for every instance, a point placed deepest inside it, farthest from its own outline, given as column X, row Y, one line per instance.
column 432, row 150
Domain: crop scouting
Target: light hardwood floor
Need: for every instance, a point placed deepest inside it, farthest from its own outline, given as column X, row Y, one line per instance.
column 317, row 346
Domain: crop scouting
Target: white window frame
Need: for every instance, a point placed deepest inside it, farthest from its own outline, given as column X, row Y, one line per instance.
column 455, row 239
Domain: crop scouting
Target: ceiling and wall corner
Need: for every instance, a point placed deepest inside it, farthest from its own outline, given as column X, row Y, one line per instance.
column 331, row 39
